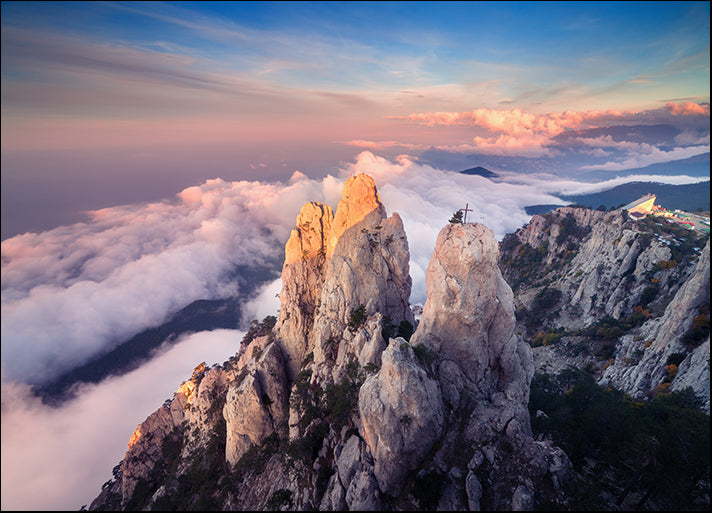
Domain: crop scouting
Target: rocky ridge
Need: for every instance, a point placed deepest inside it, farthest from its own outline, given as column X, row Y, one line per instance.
column 615, row 297
column 335, row 409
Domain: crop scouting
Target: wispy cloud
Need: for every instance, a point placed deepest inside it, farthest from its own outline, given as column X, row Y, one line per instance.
column 647, row 155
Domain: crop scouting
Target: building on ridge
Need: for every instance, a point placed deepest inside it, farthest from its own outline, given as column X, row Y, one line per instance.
column 644, row 206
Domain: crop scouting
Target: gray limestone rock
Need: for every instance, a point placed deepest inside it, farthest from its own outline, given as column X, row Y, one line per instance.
column 402, row 415
column 255, row 406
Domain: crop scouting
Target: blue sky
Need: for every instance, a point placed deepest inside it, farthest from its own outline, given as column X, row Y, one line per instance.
column 174, row 93
column 590, row 52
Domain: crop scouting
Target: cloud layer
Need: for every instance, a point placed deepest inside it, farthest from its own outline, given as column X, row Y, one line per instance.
column 58, row 458
column 69, row 292
column 514, row 132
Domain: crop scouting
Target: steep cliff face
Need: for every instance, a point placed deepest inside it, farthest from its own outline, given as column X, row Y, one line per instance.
column 598, row 291
column 664, row 342
column 303, row 280
column 335, row 409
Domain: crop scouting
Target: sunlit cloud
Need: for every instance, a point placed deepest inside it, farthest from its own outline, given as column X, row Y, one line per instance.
column 380, row 145
column 688, row 109
column 515, row 132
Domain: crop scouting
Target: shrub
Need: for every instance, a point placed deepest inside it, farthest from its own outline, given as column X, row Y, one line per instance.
column 675, row 359
column 424, row 354
column 659, row 449
column 259, row 329
column 546, row 299
column 546, row 339
column 427, row 489
column 358, row 317
column 570, row 229
column 405, row 330
column 700, row 329
column 649, row 294
column 280, row 498
column 456, row 218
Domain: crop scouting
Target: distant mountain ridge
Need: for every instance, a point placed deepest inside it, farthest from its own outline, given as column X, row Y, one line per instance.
column 201, row 315
column 481, row 171
column 688, row 197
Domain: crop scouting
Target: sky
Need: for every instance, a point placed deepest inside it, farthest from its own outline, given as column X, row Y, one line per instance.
column 97, row 96
column 150, row 149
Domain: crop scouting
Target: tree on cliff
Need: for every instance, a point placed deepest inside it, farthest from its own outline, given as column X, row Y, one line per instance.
column 456, row 217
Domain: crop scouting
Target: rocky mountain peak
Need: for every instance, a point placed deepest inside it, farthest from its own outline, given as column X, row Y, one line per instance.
column 359, row 199
column 335, row 409
column 302, row 280
column 469, row 319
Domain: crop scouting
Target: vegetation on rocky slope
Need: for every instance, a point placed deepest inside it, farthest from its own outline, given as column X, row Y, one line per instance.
column 627, row 454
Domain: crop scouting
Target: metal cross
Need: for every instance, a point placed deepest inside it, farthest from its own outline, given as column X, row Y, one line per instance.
column 466, row 210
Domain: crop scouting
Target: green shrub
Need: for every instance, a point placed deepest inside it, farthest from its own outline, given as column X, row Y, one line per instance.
column 660, row 449
column 546, row 339
column 358, row 317
column 570, row 229
column 700, row 329
column 424, row 354
column 456, row 218
column 649, row 294
column 259, row 329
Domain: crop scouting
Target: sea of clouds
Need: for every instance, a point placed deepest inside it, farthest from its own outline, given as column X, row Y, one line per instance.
column 70, row 293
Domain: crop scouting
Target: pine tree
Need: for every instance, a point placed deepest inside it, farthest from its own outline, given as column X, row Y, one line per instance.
column 456, row 217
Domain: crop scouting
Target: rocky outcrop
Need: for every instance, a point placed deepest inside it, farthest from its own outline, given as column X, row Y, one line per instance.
column 359, row 200
column 334, row 267
column 618, row 296
column 469, row 318
column 401, row 415
column 189, row 415
column 484, row 369
column 642, row 360
column 333, row 409
column 302, row 281
column 256, row 402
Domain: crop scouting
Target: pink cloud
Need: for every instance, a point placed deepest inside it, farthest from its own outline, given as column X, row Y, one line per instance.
column 688, row 109
column 514, row 131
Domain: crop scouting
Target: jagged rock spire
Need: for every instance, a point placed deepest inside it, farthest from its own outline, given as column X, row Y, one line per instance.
column 469, row 319
column 302, row 281
column 359, row 199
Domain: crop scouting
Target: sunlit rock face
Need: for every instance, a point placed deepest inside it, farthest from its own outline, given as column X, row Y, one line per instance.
column 302, row 281
column 334, row 265
column 359, row 199
column 368, row 269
